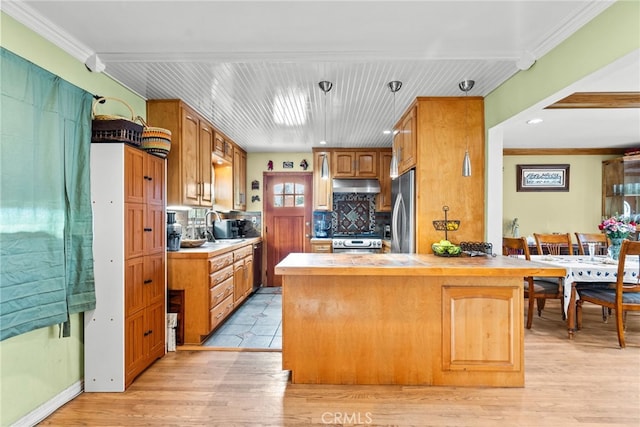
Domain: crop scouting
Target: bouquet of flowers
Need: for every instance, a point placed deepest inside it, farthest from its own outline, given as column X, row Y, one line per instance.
column 617, row 227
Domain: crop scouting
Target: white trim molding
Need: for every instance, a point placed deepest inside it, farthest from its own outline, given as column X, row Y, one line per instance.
column 50, row 406
column 33, row 20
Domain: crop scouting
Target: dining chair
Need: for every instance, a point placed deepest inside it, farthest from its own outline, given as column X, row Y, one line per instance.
column 553, row 244
column 534, row 289
column 601, row 241
column 625, row 297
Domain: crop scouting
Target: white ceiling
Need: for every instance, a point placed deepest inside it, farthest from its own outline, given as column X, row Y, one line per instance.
column 253, row 67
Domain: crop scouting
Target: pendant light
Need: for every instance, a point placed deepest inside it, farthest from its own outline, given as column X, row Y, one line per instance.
column 394, row 86
column 324, row 169
column 466, row 86
column 325, row 86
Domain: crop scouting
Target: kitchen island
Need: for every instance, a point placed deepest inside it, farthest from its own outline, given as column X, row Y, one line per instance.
column 405, row 319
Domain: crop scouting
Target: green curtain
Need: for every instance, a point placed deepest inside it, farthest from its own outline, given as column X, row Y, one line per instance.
column 46, row 258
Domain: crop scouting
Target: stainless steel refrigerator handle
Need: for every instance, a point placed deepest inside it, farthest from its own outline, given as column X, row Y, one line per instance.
column 399, row 205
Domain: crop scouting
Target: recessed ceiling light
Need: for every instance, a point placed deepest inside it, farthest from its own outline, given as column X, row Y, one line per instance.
column 534, row 121
column 323, row 142
column 386, row 132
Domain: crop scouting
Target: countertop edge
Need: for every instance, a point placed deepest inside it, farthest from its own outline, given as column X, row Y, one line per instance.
column 209, row 251
column 411, row 265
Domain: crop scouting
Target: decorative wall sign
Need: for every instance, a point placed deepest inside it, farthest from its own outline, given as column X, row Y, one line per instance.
column 287, row 165
column 255, row 184
column 542, row 178
column 304, row 164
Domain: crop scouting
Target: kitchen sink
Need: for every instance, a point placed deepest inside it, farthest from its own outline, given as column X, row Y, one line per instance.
column 221, row 242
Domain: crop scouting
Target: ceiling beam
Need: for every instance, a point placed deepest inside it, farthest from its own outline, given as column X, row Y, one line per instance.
column 599, row 100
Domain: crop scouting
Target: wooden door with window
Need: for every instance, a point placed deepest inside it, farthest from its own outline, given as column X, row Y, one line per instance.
column 288, row 198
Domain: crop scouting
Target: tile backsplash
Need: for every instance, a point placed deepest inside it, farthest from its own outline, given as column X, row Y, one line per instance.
column 194, row 225
column 353, row 213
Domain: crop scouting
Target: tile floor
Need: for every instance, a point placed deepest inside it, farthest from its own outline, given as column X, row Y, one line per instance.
column 256, row 324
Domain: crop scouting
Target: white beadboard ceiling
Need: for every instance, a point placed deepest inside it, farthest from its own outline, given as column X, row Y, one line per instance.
column 253, row 67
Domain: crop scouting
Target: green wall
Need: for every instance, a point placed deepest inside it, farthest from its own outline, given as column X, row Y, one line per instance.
column 37, row 366
column 257, row 164
column 609, row 36
column 579, row 209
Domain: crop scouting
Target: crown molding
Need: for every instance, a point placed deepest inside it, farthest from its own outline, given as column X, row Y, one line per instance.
column 570, row 26
column 37, row 23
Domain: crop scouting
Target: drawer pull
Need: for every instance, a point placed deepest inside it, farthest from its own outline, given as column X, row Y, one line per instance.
column 219, row 315
column 148, row 229
column 146, row 282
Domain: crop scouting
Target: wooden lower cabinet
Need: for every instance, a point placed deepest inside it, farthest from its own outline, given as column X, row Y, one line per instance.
column 213, row 287
column 243, row 273
column 321, row 246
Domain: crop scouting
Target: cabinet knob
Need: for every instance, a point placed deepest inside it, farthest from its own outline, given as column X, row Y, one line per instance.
column 146, row 282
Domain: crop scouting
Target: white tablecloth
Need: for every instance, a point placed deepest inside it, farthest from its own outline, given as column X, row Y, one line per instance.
column 581, row 268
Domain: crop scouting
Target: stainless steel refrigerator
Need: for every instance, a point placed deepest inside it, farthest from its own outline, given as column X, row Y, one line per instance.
column 403, row 219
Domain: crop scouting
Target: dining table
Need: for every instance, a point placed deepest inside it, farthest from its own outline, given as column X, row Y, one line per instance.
column 587, row 271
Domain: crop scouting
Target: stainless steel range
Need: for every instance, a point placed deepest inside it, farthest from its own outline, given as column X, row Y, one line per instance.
column 357, row 243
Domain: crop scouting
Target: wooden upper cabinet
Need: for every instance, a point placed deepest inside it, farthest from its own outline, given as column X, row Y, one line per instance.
column 239, row 179
column 405, row 141
column 189, row 170
column 222, row 147
column 218, row 144
column 189, row 161
column 322, row 195
column 383, row 200
column 354, row 164
column 205, row 147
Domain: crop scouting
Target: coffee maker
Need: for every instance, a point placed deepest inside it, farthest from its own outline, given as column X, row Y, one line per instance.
column 174, row 232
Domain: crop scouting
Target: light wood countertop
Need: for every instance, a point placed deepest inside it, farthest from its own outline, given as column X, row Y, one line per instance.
column 210, row 249
column 349, row 264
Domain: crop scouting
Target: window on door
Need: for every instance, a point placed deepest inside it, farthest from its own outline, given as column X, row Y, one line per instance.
column 288, row 195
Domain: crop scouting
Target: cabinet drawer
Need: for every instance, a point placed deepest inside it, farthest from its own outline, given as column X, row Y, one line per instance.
column 242, row 252
column 220, row 276
column 220, row 261
column 321, row 248
column 219, row 292
column 218, row 313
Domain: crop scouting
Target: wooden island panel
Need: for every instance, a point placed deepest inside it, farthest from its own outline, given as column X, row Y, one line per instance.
column 434, row 322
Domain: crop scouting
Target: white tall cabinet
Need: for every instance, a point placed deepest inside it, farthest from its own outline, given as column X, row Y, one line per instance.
column 126, row 332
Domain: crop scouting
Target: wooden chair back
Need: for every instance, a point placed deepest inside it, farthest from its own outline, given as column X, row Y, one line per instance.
column 629, row 248
column 601, row 241
column 626, row 296
column 553, row 244
column 512, row 246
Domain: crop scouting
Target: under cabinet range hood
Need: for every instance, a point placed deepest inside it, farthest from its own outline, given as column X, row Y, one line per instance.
column 366, row 186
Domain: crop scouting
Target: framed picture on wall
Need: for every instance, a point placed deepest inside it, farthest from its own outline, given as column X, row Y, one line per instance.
column 542, row 178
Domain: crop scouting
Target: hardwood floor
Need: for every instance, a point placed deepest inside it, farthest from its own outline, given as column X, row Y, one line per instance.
column 585, row 382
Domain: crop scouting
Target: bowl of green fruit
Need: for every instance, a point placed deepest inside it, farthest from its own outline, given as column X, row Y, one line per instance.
column 446, row 248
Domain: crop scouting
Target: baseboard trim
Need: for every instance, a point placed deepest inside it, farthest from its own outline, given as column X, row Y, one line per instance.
column 50, row 406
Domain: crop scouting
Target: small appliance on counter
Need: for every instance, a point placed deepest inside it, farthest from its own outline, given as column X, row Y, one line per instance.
column 225, row 229
column 387, row 232
column 321, row 227
column 174, row 232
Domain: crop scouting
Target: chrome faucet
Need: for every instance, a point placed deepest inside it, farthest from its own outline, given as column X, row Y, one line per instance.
column 209, row 230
